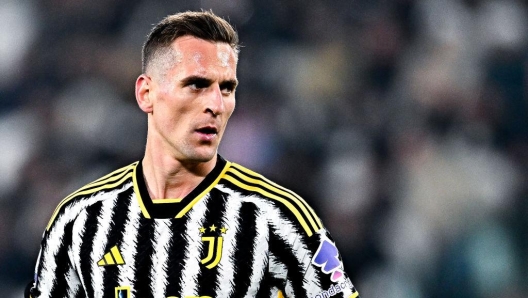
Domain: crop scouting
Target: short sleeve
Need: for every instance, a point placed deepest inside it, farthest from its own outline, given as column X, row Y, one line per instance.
column 308, row 266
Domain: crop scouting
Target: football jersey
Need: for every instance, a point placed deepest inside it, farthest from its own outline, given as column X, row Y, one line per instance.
column 237, row 234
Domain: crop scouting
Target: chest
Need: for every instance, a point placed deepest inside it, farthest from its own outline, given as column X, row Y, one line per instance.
column 219, row 251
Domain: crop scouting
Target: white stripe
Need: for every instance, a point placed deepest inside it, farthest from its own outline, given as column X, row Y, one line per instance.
column 293, row 235
column 158, row 271
column 260, row 246
column 73, row 282
column 274, row 292
column 190, row 272
column 55, row 238
column 54, row 243
column 99, row 242
column 276, row 268
column 78, row 232
column 128, row 248
column 288, row 289
column 230, row 220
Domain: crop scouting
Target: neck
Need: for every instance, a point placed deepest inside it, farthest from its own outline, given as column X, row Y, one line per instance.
column 169, row 178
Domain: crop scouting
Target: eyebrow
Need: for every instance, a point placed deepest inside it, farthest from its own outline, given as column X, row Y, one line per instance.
column 203, row 80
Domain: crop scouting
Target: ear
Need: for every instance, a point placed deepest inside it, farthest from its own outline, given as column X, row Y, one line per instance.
column 143, row 93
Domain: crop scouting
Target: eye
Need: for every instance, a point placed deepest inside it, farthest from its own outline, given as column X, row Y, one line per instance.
column 198, row 84
column 227, row 88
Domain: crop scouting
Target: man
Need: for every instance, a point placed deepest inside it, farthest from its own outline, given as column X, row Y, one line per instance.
column 184, row 222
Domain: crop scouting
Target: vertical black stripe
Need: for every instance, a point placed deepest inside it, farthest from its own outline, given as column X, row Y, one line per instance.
column 79, row 293
column 284, row 253
column 176, row 255
column 244, row 257
column 143, row 261
column 90, row 228
column 115, row 237
column 63, row 263
column 216, row 208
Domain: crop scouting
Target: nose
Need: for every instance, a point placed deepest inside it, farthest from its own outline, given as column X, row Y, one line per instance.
column 215, row 101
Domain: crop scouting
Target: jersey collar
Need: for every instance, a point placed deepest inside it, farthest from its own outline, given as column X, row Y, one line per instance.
column 175, row 208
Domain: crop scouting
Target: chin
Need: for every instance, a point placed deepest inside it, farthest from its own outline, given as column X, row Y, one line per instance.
column 197, row 154
column 201, row 156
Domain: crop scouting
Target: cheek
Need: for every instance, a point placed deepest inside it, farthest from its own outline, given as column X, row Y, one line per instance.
column 230, row 105
column 173, row 103
column 169, row 115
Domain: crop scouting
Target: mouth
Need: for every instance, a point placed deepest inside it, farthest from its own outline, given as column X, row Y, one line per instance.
column 207, row 133
column 208, row 130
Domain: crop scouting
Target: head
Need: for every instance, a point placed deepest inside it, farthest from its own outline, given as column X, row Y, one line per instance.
column 188, row 85
column 203, row 25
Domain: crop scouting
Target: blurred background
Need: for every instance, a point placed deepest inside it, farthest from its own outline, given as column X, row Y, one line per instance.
column 404, row 123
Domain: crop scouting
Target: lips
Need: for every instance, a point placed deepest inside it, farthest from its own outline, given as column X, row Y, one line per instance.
column 207, row 133
column 207, row 130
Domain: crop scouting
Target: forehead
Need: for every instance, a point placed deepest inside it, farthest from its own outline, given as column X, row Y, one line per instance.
column 194, row 52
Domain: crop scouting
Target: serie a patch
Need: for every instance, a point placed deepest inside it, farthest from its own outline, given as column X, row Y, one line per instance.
column 327, row 258
column 336, row 289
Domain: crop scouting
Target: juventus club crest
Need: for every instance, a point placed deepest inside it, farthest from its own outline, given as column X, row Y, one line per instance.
column 213, row 243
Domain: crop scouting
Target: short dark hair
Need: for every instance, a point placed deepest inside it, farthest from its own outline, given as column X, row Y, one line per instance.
column 204, row 25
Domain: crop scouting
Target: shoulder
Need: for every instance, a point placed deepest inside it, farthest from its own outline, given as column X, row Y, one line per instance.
column 87, row 195
column 282, row 199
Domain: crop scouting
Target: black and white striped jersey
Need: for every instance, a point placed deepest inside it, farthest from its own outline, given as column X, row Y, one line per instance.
column 236, row 234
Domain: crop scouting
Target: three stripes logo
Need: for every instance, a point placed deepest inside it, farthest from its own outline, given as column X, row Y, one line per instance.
column 113, row 257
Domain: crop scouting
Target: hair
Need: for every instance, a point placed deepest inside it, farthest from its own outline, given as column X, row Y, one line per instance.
column 204, row 25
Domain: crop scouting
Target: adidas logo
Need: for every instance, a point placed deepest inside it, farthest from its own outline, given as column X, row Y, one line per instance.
column 113, row 257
